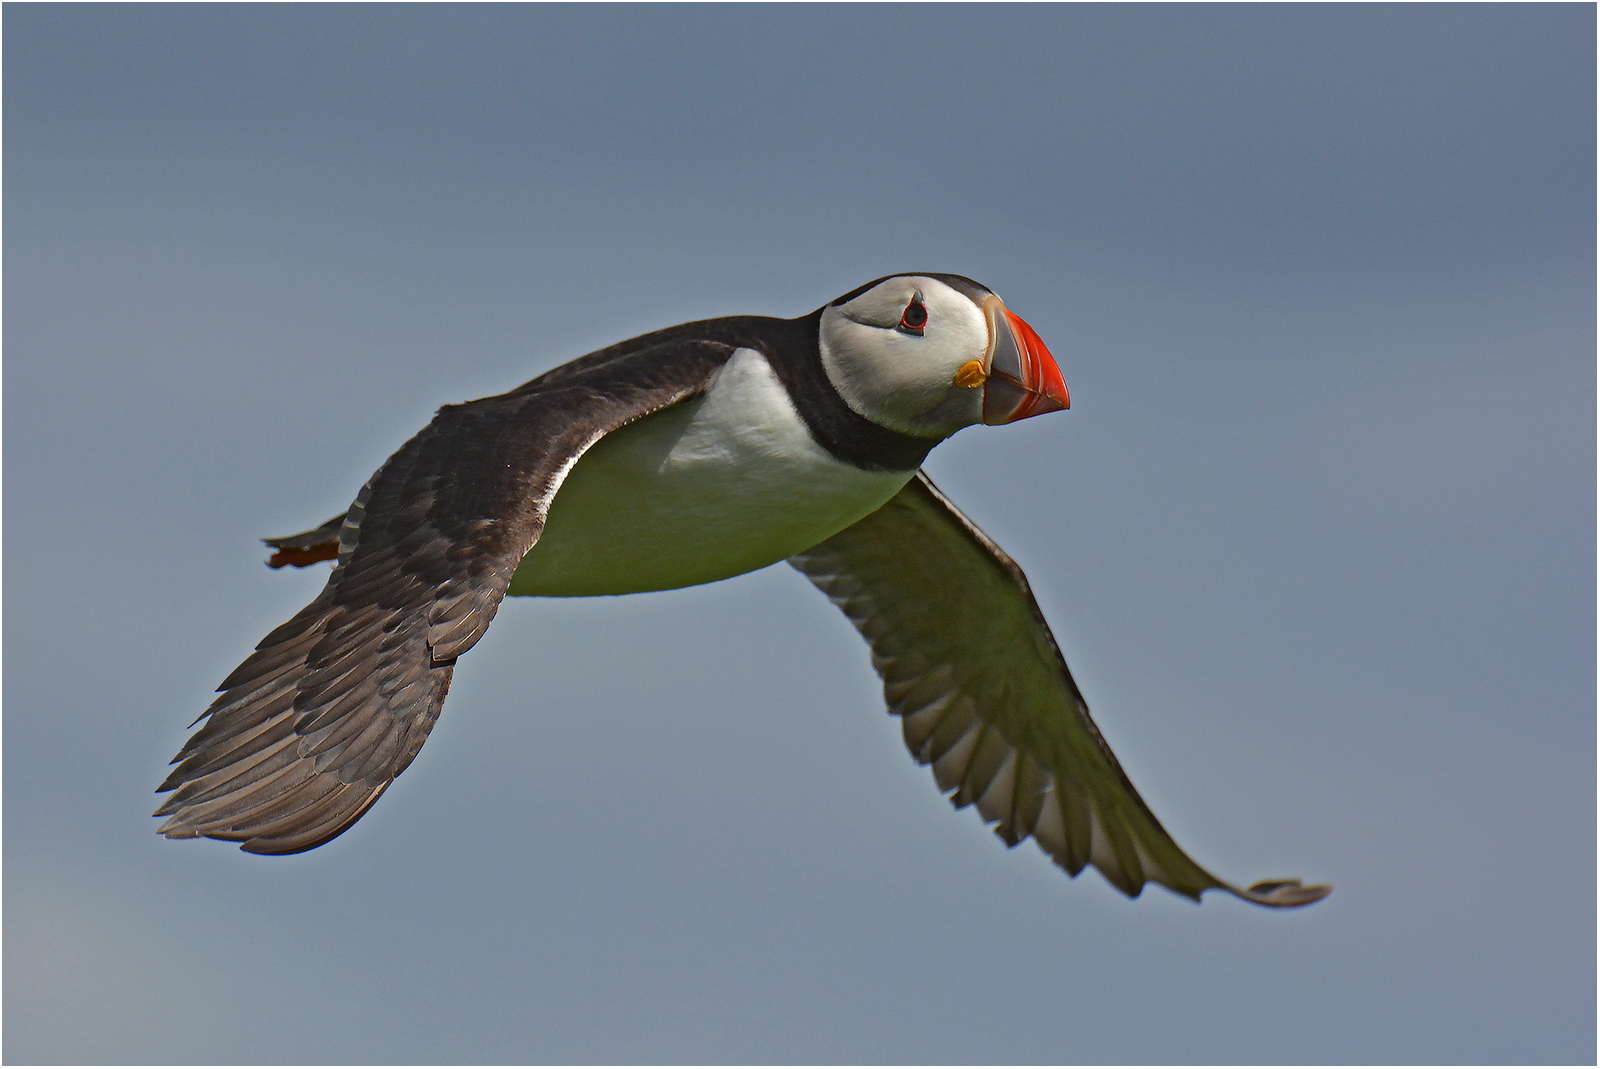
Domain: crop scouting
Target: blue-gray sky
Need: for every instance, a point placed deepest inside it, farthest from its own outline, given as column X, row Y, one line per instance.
column 1317, row 535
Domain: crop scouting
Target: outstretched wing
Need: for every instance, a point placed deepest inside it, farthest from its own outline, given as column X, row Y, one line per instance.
column 313, row 727
column 984, row 695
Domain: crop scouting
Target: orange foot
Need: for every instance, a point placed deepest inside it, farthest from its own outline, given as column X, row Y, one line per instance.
column 304, row 556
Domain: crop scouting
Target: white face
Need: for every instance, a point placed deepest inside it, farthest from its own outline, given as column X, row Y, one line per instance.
column 896, row 375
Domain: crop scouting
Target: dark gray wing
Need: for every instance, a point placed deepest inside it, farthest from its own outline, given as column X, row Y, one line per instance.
column 333, row 705
column 984, row 695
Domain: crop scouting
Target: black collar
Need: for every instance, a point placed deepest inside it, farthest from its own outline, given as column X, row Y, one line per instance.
column 794, row 349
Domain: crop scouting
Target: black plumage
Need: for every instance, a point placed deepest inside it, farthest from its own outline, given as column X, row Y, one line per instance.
column 333, row 705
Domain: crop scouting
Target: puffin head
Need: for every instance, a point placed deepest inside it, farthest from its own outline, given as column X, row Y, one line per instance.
column 926, row 355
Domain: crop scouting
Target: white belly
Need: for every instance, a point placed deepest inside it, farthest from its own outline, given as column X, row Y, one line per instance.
column 704, row 490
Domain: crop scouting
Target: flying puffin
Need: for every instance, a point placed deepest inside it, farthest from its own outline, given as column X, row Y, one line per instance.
column 685, row 456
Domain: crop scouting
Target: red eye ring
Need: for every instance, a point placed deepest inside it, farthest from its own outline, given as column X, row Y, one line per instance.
column 914, row 318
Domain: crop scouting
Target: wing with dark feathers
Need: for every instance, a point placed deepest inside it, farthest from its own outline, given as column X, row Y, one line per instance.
column 312, row 728
column 984, row 695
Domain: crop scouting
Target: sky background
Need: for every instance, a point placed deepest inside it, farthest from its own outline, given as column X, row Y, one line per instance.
column 1317, row 536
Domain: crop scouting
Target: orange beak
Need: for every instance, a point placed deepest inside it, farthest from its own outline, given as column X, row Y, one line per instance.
column 1023, row 377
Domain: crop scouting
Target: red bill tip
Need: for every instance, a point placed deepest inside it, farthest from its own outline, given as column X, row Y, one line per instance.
column 1042, row 376
column 1024, row 379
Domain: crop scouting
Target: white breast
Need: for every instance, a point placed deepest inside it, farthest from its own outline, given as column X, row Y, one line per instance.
column 701, row 491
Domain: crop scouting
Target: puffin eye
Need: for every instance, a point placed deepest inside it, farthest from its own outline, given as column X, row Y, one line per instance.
column 914, row 318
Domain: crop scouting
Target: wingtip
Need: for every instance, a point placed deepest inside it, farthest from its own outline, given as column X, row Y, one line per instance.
column 1283, row 894
column 173, row 829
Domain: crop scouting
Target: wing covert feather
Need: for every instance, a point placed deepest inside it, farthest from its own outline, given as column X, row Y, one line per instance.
column 984, row 695
column 312, row 728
